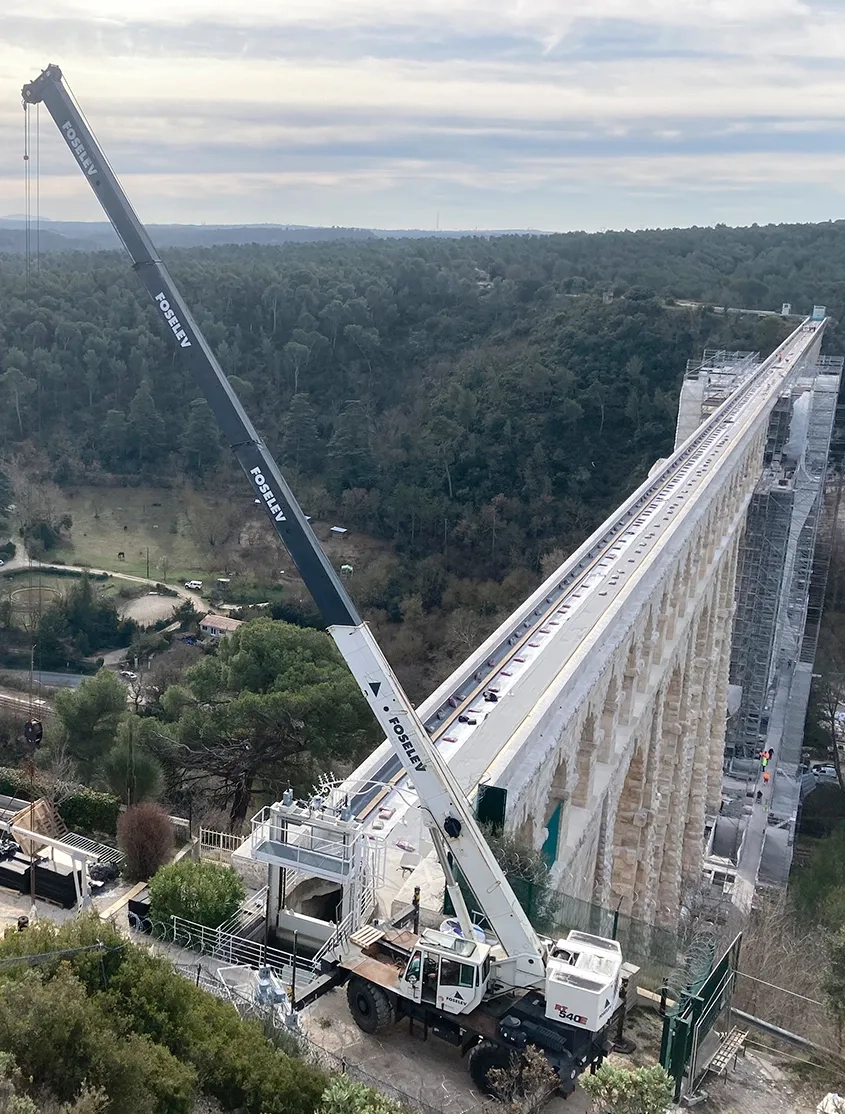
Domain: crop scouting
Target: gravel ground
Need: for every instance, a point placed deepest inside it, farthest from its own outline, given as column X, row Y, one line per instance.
column 147, row 610
column 14, row 905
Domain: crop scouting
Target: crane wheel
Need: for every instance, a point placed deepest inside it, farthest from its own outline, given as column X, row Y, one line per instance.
column 483, row 1057
column 370, row 1006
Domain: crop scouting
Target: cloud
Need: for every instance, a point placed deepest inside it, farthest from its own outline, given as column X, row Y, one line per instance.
column 502, row 106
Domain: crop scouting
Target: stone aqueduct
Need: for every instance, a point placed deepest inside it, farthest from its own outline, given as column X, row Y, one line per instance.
column 628, row 744
column 610, row 746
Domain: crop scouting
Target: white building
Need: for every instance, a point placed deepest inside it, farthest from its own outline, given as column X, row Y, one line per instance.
column 218, row 626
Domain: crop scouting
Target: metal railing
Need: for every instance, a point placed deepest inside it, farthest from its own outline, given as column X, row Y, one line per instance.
column 218, row 846
column 361, row 910
column 251, row 908
column 295, row 844
column 236, row 950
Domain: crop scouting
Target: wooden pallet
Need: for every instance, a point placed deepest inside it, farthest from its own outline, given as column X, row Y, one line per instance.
column 366, row 936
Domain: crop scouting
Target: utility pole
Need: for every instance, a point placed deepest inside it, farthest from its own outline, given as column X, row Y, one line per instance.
column 148, row 562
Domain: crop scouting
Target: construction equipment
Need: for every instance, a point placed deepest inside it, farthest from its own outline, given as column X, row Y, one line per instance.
column 490, row 998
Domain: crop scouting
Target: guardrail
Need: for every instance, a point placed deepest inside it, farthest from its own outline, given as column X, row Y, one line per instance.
column 218, row 846
column 236, row 950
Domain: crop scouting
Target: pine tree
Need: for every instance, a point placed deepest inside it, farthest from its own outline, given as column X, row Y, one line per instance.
column 351, row 461
column 6, row 497
column 201, row 440
column 146, row 427
column 300, row 440
column 114, row 439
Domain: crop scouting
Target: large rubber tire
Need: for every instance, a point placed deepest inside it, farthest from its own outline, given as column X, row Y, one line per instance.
column 481, row 1058
column 370, row 1006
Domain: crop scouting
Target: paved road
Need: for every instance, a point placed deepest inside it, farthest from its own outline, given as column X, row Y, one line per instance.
column 51, row 680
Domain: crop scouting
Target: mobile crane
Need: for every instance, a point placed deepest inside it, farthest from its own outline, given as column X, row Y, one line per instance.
column 490, row 999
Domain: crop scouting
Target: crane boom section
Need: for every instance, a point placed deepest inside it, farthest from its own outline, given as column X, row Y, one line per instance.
column 440, row 795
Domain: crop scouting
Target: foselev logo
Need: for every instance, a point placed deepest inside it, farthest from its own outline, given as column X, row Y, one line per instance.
column 266, row 493
column 75, row 144
column 172, row 320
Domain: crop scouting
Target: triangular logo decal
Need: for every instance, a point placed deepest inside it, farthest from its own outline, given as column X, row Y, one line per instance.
column 458, row 996
column 375, row 686
column 606, row 1003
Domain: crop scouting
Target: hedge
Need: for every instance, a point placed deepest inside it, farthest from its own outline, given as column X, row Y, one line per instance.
column 82, row 808
column 53, row 570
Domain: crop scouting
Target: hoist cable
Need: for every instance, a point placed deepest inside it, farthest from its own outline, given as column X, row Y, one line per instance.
column 38, row 188
column 26, row 190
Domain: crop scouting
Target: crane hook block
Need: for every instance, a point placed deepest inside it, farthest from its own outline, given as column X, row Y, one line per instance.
column 33, row 732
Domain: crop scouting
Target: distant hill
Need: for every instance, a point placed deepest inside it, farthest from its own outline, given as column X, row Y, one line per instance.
column 59, row 235
column 453, row 234
column 100, row 236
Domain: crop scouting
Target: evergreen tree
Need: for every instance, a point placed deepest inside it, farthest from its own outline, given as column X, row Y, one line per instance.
column 114, row 439
column 300, row 440
column 6, row 497
column 201, row 440
column 146, row 427
column 17, row 387
column 350, row 456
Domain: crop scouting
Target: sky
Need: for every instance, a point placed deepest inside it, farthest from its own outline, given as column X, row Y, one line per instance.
column 543, row 114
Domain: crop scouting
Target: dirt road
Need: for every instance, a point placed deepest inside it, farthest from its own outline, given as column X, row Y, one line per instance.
column 184, row 593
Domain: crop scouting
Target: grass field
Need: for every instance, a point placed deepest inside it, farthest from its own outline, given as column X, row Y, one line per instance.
column 137, row 521
column 198, row 534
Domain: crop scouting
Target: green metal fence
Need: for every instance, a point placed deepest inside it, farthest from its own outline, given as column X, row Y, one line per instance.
column 689, row 1021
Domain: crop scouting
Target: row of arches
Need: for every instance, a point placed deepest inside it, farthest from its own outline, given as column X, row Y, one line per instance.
column 622, row 806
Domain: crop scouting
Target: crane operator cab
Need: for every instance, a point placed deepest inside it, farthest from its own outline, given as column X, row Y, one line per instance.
column 583, row 977
column 448, row 971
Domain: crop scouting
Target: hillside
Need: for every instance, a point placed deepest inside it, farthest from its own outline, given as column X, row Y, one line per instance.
column 473, row 403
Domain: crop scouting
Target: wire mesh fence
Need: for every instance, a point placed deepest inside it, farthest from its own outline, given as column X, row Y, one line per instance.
column 656, row 951
column 280, row 1026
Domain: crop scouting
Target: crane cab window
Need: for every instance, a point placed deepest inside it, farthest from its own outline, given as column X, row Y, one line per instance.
column 412, row 973
column 457, row 974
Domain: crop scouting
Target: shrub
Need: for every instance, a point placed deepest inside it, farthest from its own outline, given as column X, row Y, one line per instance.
column 201, row 892
column 620, row 1091
column 344, row 1096
column 91, row 811
column 84, row 1045
column 166, row 1017
column 145, row 836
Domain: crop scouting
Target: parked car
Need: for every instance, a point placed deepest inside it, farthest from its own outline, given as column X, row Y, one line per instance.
column 824, row 769
column 195, row 584
column 129, row 675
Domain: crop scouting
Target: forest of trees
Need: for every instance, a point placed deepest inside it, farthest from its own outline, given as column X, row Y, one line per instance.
column 475, row 402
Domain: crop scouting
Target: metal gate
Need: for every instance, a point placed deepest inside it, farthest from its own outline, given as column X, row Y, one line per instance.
column 689, row 1021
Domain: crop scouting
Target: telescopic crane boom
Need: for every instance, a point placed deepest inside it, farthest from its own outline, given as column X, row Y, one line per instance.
column 453, row 824
column 489, row 1000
